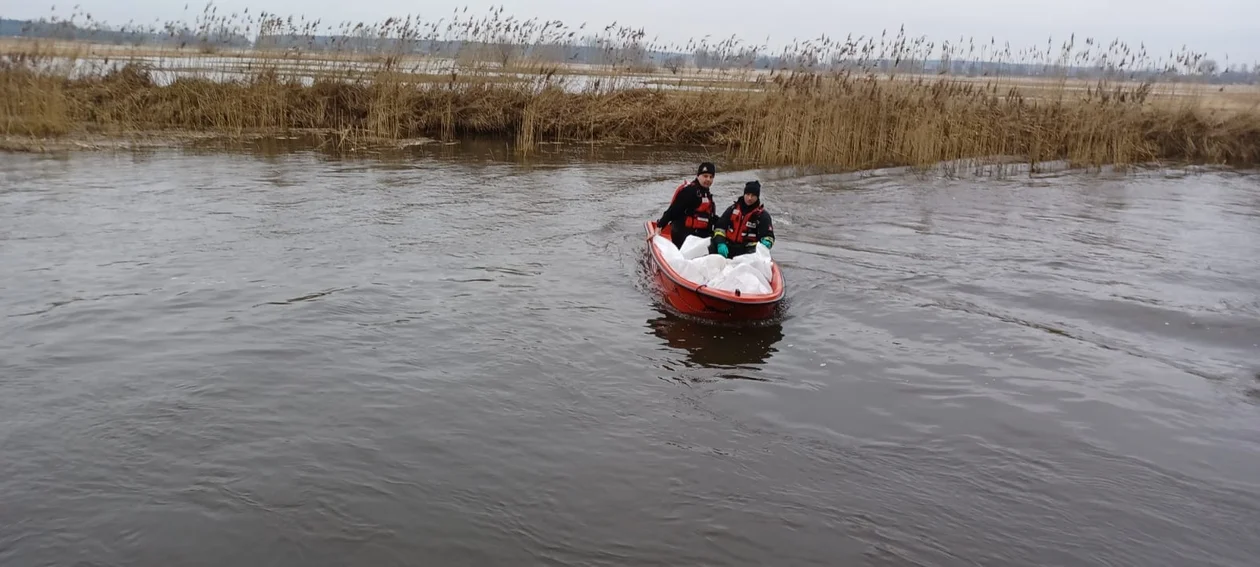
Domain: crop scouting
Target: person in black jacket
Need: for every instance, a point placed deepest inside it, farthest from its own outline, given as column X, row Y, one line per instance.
column 745, row 223
column 691, row 208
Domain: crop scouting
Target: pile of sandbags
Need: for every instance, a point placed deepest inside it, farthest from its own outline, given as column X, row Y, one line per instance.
column 748, row 274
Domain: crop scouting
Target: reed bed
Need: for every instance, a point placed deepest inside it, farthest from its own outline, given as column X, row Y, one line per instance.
column 835, row 104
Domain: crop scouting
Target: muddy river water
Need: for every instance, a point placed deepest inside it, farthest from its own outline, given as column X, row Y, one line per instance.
column 453, row 358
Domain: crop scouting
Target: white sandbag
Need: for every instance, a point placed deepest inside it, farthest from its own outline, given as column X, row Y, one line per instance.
column 672, row 255
column 749, row 273
column 741, row 277
column 692, row 272
column 763, row 278
column 674, row 258
column 758, row 262
column 710, row 266
column 765, row 263
column 694, row 247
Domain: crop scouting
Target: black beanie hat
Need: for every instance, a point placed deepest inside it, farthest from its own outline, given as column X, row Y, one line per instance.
column 753, row 187
column 706, row 167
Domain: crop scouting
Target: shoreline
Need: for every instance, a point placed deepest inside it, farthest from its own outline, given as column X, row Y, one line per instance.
column 83, row 141
column 831, row 121
column 320, row 141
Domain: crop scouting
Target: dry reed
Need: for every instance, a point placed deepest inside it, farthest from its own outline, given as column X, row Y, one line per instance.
column 846, row 105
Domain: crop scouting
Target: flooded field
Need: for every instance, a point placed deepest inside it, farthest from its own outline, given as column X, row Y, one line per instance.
column 164, row 70
column 452, row 357
column 79, row 60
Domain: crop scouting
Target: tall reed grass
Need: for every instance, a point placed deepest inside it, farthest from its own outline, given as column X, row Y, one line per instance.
column 836, row 104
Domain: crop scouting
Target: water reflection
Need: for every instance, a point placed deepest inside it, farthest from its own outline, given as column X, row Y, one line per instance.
column 409, row 154
column 718, row 345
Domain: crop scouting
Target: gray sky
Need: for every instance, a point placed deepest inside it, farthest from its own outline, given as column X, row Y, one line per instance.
column 1218, row 27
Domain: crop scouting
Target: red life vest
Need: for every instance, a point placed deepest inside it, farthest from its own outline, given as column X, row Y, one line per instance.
column 740, row 231
column 702, row 216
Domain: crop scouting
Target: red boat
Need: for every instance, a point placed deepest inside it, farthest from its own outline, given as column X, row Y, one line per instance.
column 691, row 298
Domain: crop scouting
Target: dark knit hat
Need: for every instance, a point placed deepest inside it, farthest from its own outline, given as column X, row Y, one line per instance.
column 753, row 187
column 707, row 167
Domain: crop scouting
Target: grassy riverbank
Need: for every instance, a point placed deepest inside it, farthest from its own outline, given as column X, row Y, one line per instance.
column 835, row 106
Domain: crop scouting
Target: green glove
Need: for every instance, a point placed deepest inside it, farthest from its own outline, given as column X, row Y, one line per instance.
column 723, row 250
column 767, row 242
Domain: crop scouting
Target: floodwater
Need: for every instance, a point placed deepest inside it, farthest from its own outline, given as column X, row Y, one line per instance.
column 452, row 358
column 164, row 70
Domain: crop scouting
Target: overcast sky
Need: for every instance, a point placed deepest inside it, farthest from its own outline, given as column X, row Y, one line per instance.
column 1218, row 27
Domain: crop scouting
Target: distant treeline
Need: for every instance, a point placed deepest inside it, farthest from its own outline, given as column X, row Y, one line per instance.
column 165, row 37
column 586, row 51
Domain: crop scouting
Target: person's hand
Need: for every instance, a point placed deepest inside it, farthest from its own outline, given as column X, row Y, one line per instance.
column 767, row 242
column 724, row 250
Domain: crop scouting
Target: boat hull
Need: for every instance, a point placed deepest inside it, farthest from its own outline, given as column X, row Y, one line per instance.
column 696, row 300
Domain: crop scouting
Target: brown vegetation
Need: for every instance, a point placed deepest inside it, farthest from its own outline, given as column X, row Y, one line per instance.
column 848, row 105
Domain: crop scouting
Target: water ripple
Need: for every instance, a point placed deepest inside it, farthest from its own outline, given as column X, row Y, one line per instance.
column 450, row 357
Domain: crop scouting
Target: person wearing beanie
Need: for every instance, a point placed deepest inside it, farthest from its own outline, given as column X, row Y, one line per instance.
column 743, row 225
column 691, row 208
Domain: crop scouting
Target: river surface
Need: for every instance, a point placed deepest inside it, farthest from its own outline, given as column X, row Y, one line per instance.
column 453, row 358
